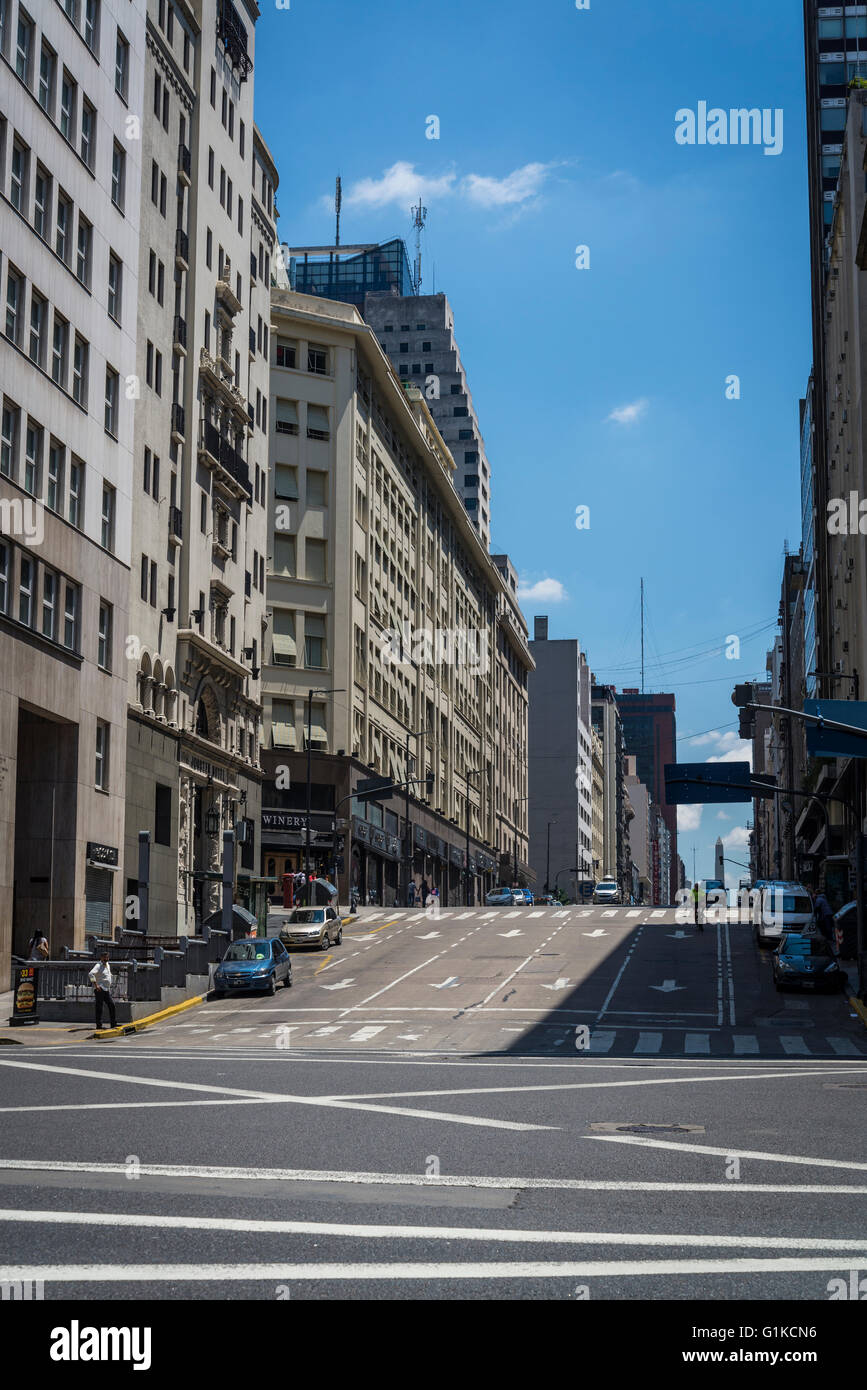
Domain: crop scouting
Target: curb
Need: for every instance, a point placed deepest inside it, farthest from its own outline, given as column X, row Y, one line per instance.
column 860, row 1009
column 124, row 1028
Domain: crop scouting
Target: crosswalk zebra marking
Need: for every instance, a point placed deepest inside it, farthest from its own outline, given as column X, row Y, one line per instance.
column 745, row 1044
column 844, row 1047
column 648, row 1042
column 601, row 1042
column 697, row 1042
column 365, row 1034
column 794, row 1046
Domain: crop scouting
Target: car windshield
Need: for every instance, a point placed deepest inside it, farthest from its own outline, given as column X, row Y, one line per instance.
column 805, row 946
column 308, row 914
column 248, row 950
column 606, row 885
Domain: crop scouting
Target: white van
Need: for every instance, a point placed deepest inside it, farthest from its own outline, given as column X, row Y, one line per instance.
column 784, row 907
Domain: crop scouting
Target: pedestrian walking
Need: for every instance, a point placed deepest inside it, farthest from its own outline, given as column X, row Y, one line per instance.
column 824, row 916
column 424, row 892
column 101, row 979
column 410, row 893
column 38, row 948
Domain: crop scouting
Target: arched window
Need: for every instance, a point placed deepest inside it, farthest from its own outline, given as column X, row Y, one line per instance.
column 202, row 720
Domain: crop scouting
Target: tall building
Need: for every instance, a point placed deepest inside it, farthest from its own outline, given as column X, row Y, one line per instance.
column 608, row 724
column 70, row 164
column 641, row 837
column 597, row 799
column 199, row 475
column 561, row 762
column 396, row 646
column 650, row 736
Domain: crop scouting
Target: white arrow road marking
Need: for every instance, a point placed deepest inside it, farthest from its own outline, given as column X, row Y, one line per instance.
column 428, row 936
column 668, row 987
column 678, row 935
column 409, row 1037
column 365, row 1034
column 598, row 932
column 447, row 984
column 513, row 932
column 340, row 984
column 558, row 984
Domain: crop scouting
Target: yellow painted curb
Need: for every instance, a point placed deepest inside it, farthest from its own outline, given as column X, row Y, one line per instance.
column 860, row 1009
column 138, row 1023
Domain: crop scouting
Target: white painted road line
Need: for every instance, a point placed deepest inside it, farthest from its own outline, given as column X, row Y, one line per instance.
column 427, row 1272
column 648, row 1042
column 365, row 1034
column 709, row 1151
column 745, row 1044
column 399, row 1232
column 844, row 1048
column 794, row 1046
column 697, row 1042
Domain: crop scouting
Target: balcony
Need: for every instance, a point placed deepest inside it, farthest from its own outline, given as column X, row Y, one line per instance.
column 179, row 430
column 179, row 335
column 233, row 39
column 227, row 465
column 185, row 164
column 182, row 249
column 176, row 526
column 225, row 293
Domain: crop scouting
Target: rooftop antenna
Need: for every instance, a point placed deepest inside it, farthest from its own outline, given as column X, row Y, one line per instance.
column 418, row 220
column 338, row 200
column 642, row 636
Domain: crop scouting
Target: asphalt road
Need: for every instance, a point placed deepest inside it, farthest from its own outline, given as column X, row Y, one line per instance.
column 510, row 1104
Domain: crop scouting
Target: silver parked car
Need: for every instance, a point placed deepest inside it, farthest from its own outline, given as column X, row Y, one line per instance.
column 312, row 926
column 606, row 891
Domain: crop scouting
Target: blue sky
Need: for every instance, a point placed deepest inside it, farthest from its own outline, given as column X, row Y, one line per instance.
column 602, row 387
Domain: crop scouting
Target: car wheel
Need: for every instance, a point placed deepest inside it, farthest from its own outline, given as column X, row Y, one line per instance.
column 219, row 993
column 272, row 986
column 325, row 942
column 287, row 983
column 339, row 937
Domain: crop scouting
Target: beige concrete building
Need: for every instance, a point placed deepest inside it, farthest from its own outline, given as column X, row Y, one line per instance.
column 597, row 803
column 71, row 78
column 197, row 604
column 391, row 630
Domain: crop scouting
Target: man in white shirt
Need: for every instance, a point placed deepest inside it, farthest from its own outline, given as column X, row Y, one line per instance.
column 100, row 978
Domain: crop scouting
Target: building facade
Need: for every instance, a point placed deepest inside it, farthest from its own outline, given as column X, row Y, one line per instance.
column 608, row 724
column 199, row 477
column 597, row 802
column 396, row 647
column 650, row 736
column 70, row 160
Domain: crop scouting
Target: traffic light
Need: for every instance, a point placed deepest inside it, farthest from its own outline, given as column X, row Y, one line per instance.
column 742, row 695
column 746, row 723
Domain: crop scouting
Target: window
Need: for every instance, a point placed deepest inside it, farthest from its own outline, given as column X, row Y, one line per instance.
column 209, row 247
column 37, row 328
column 162, row 815
column 76, row 491
column 121, row 65
column 47, row 68
column 213, row 89
column 118, row 176
column 67, row 106
column 425, row 347
column 284, row 555
column 91, row 23
column 145, row 572
column 4, row 553
column 70, row 617
column 9, row 440
column 23, row 46
column 317, row 488
column 64, row 225
column 317, row 360
column 42, row 203
column 404, row 347
column 88, row 132
column 165, row 108
column 158, row 85
column 283, row 723
column 103, row 641
column 314, row 561
column 287, row 417
column 115, row 286
column 466, row 434
column 210, row 168
column 461, row 411
column 286, row 353
column 100, row 776
column 240, row 214
column 155, row 183
column 286, row 482
column 14, row 300
column 314, row 641
column 283, row 650
column 82, row 262
column 107, row 531
column 59, row 347
column 25, row 591
column 317, row 422
column 18, row 181
column 111, row 385
column 49, row 604
column 33, row 458
column 54, row 491
column 222, row 187
column 241, row 138
column 80, row 354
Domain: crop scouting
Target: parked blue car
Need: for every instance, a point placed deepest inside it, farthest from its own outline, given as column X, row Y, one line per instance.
column 256, row 965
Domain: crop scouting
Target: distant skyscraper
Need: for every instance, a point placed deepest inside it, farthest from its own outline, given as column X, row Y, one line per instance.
column 650, row 735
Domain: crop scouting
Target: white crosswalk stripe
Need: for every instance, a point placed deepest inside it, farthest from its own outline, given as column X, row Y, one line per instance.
column 794, row 1046
column 697, row 1042
column 844, row 1047
column 745, row 1044
column 648, row 1042
column 365, row 1034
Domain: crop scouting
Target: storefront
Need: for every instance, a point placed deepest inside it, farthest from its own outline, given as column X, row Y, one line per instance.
column 284, row 844
column 375, row 861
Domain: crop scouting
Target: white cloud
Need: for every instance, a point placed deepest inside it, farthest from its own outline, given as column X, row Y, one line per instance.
column 738, row 838
column 628, row 414
column 400, row 184
column 520, row 186
column 688, row 817
column 543, row 591
column 722, row 815
column 726, row 747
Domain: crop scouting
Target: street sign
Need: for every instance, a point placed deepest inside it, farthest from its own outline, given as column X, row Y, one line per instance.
column 372, row 786
column 823, row 742
column 689, row 783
